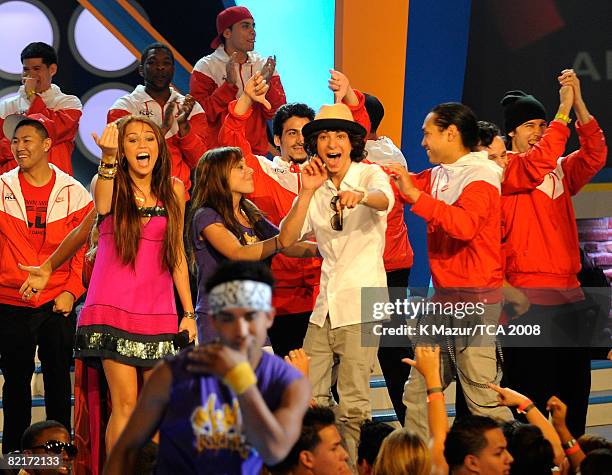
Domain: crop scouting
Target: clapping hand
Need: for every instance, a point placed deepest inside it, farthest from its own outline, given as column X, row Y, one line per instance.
column 231, row 69
column 183, row 115
column 268, row 69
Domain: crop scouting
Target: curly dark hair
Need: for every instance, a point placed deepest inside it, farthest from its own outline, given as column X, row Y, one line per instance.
column 358, row 151
column 286, row 111
column 487, row 131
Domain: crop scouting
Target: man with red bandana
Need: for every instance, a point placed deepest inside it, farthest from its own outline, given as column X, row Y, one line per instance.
column 220, row 77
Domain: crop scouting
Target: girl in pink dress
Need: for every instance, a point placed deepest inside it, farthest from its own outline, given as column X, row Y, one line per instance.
column 129, row 317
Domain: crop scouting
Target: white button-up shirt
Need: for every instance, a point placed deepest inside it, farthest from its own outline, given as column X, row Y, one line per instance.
column 353, row 257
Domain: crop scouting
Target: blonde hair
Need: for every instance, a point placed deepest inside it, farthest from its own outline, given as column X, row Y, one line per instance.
column 402, row 452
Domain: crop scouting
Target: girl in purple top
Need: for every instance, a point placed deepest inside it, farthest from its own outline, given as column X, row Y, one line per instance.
column 225, row 225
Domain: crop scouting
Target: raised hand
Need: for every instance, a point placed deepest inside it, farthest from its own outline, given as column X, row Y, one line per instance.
column 558, row 410
column 299, row 360
column 314, row 174
column 339, row 85
column 183, row 115
column 36, row 281
column 108, row 142
column 185, row 109
column 268, row 69
column 231, row 69
column 168, row 119
column 256, row 88
column 426, row 362
column 569, row 78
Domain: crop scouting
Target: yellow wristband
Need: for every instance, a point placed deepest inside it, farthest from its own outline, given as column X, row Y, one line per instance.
column 563, row 118
column 240, row 378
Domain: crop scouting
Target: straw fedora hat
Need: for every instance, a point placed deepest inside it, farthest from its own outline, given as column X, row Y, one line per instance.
column 333, row 117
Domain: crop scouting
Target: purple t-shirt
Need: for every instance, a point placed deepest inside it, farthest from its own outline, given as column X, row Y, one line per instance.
column 201, row 431
column 208, row 258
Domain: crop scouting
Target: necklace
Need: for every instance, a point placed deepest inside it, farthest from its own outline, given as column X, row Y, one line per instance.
column 140, row 201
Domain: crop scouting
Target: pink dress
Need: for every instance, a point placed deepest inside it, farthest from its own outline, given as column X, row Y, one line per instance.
column 129, row 313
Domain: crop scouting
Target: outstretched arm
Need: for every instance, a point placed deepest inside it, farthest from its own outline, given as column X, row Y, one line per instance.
column 39, row 276
column 580, row 166
column 525, row 171
column 558, row 410
column 313, row 176
column 509, row 397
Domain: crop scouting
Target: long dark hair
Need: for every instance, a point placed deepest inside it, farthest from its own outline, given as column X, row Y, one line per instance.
column 126, row 215
column 211, row 189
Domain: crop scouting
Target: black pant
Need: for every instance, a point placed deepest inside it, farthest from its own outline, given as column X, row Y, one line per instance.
column 21, row 330
column 393, row 349
column 565, row 372
column 288, row 331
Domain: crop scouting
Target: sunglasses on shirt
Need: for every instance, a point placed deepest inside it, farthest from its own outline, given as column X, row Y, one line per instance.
column 336, row 220
column 56, row 447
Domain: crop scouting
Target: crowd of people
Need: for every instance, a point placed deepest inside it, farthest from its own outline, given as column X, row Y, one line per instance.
column 189, row 231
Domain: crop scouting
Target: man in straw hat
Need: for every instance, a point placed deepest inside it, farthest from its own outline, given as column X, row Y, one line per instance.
column 344, row 203
column 219, row 78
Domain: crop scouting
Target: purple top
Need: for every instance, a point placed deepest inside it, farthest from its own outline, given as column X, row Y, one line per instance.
column 201, row 431
column 207, row 257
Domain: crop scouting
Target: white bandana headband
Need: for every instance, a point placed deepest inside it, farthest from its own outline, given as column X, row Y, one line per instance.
column 240, row 294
